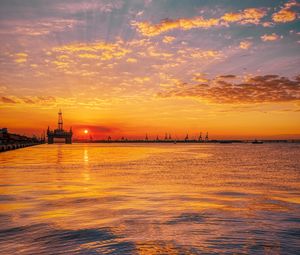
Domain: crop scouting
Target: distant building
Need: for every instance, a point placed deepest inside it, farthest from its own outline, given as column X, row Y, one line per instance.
column 3, row 131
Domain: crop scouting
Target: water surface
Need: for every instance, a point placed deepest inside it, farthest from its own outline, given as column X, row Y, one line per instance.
column 150, row 199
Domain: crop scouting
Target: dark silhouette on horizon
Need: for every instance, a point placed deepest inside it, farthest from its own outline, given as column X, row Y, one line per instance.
column 59, row 132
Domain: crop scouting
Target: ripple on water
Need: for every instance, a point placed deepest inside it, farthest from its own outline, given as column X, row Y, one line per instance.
column 150, row 199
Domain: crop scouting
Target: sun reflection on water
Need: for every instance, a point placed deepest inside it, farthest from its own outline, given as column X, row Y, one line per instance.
column 150, row 199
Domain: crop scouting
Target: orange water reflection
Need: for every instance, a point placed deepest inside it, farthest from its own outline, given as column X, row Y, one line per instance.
column 150, row 199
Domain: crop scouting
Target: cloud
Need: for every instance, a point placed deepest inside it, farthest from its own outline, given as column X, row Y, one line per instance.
column 131, row 60
column 227, row 76
column 245, row 45
column 271, row 37
column 206, row 54
column 37, row 27
column 99, row 49
column 60, row 64
column 284, row 16
column 152, row 51
column 21, row 57
column 290, row 4
column 7, row 100
column 141, row 79
column 257, row 89
column 148, row 29
column 42, row 100
column 81, row 58
column 247, row 16
column 105, row 6
column 20, row 60
column 95, row 128
column 199, row 77
column 2, row 88
column 168, row 39
column 198, row 53
column 88, row 55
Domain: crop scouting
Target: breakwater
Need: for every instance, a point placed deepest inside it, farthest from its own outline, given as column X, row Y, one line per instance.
column 8, row 147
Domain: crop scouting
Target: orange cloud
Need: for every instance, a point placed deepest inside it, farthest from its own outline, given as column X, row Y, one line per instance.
column 168, row 39
column 227, row 76
column 271, row 37
column 141, row 79
column 88, row 55
column 258, row 89
column 200, row 78
column 284, row 16
column 60, row 65
column 7, row 100
column 131, row 60
column 149, row 29
column 28, row 100
column 245, row 45
column 21, row 57
column 89, row 50
column 71, row 58
column 247, row 16
column 251, row 16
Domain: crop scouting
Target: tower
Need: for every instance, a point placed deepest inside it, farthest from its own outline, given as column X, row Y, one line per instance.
column 60, row 120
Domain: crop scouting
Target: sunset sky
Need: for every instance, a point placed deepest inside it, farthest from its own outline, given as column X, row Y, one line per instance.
column 131, row 67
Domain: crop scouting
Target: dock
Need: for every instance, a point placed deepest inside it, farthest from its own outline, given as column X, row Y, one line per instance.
column 10, row 141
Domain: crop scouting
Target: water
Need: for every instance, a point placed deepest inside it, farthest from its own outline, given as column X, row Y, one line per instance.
column 150, row 199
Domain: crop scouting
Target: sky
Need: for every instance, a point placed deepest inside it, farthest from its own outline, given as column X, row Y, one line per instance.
column 135, row 67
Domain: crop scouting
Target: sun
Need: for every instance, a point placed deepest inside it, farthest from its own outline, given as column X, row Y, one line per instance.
column 86, row 131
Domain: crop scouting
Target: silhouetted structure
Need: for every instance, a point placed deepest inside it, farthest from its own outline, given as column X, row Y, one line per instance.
column 200, row 137
column 59, row 132
column 9, row 141
column 186, row 138
column 206, row 137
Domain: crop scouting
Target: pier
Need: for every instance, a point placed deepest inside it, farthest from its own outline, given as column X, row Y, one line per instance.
column 10, row 141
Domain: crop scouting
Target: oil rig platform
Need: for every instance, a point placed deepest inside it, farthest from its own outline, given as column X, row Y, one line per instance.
column 59, row 132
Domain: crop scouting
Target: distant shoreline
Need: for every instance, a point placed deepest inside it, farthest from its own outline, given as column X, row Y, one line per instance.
column 189, row 141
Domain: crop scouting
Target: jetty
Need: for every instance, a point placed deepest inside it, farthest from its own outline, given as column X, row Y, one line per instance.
column 10, row 141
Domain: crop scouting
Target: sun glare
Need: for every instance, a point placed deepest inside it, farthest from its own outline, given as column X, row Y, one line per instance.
column 86, row 131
